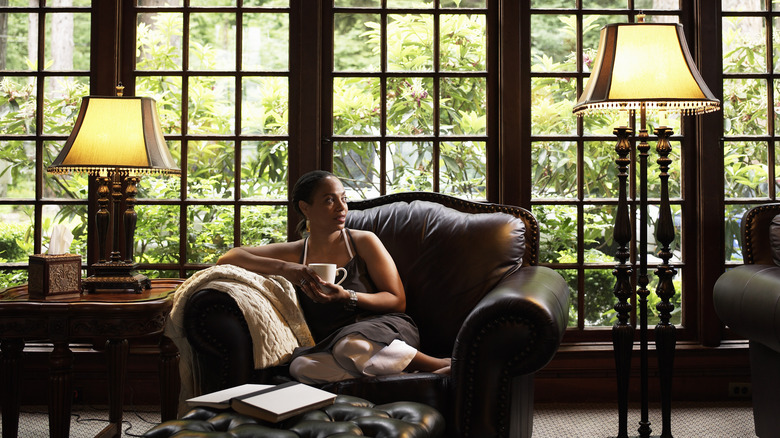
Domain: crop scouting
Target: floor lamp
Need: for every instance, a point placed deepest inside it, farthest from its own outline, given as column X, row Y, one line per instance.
column 644, row 67
column 116, row 139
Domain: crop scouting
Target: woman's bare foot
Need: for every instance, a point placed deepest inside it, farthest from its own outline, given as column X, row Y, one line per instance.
column 445, row 371
column 429, row 364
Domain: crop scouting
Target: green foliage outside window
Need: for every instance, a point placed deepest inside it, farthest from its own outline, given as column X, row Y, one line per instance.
column 410, row 108
column 356, row 112
column 211, row 163
column 17, row 168
column 746, row 113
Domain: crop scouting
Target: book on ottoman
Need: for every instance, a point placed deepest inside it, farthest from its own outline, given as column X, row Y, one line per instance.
column 266, row 402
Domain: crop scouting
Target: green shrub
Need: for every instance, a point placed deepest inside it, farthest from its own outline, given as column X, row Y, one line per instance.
column 14, row 240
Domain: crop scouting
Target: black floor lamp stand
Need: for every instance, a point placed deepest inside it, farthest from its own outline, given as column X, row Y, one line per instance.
column 623, row 331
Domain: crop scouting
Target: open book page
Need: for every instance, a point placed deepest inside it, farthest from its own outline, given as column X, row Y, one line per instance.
column 221, row 399
column 283, row 401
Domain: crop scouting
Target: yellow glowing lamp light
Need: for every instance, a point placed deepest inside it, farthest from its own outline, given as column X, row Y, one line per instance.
column 645, row 65
column 116, row 134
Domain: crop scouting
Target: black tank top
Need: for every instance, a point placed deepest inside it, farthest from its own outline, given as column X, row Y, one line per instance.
column 324, row 319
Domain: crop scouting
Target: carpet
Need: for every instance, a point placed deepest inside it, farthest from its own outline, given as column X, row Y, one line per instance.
column 87, row 421
column 689, row 420
column 575, row 420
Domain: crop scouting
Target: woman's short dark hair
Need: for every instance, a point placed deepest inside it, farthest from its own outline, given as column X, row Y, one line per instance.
column 304, row 190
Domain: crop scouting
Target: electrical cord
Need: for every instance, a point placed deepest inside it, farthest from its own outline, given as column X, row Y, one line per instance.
column 127, row 425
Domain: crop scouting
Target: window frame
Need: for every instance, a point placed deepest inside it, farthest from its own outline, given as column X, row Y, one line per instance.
column 509, row 126
column 491, row 136
column 39, row 138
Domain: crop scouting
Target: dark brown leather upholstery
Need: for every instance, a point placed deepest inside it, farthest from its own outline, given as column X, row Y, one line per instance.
column 347, row 417
column 747, row 299
column 475, row 291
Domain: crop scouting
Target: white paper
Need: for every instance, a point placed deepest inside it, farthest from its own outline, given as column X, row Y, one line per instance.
column 224, row 396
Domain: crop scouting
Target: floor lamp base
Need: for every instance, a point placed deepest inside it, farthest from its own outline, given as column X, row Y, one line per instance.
column 115, row 277
column 638, row 436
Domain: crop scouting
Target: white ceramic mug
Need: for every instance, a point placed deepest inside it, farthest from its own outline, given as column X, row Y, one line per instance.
column 327, row 271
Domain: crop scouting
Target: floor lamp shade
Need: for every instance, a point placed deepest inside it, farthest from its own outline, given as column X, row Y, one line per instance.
column 644, row 64
column 116, row 134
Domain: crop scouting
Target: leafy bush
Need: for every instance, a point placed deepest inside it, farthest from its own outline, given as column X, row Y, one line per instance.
column 14, row 242
column 558, row 171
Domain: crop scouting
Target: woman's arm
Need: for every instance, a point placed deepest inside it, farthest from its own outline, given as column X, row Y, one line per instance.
column 282, row 259
column 273, row 259
column 381, row 267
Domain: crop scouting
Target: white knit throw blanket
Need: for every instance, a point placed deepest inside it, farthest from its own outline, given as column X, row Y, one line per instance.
column 269, row 305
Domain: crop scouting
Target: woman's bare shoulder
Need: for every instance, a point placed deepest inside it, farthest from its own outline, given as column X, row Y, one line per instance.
column 365, row 239
column 362, row 234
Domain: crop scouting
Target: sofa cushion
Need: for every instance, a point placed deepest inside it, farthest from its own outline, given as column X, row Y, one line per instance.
column 448, row 260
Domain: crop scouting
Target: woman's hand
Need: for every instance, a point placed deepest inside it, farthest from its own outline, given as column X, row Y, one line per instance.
column 319, row 290
column 323, row 292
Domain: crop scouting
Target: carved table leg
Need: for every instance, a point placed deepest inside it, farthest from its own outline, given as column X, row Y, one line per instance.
column 117, row 363
column 60, row 389
column 169, row 379
column 11, row 354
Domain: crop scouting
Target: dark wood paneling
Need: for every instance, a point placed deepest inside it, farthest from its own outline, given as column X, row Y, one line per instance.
column 579, row 374
column 90, row 376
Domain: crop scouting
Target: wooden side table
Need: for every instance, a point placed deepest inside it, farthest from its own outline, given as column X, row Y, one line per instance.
column 89, row 317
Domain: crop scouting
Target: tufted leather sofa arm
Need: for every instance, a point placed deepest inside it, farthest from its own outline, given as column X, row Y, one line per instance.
column 513, row 332
column 347, row 417
column 756, row 245
column 747, row 299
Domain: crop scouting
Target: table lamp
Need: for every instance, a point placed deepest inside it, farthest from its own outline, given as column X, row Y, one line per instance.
column 644, row 66
column 116, row 139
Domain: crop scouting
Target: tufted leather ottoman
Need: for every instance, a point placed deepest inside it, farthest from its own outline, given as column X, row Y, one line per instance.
column 347, row 417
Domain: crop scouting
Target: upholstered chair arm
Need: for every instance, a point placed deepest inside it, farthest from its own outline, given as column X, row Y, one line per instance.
column 220, row 340
column 513, row 332
column 747, row 299
column 756, row 237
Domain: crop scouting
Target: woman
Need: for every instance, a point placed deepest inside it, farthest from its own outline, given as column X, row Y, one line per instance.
column 359, row 326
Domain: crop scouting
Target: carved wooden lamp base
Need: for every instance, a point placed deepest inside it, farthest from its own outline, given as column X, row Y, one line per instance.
column 115, row 277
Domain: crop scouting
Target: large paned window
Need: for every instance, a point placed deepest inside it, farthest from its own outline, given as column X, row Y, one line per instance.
column 574, row 175
column 409, row 107
column 465, row 97
column 44, row 72
column 220, row 75
column 751, row 92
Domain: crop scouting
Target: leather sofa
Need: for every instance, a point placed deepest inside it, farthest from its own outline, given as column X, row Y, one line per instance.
column 747, row 299
column 346, row 417
column 475, row 291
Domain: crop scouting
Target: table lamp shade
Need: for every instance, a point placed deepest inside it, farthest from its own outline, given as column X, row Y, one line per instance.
column 645, row 64
column 116, row 134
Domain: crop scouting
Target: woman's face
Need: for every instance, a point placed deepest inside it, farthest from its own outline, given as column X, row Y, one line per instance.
column 328, row 208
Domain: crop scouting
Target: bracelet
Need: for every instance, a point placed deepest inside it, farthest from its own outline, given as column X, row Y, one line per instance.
column 353, row 299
